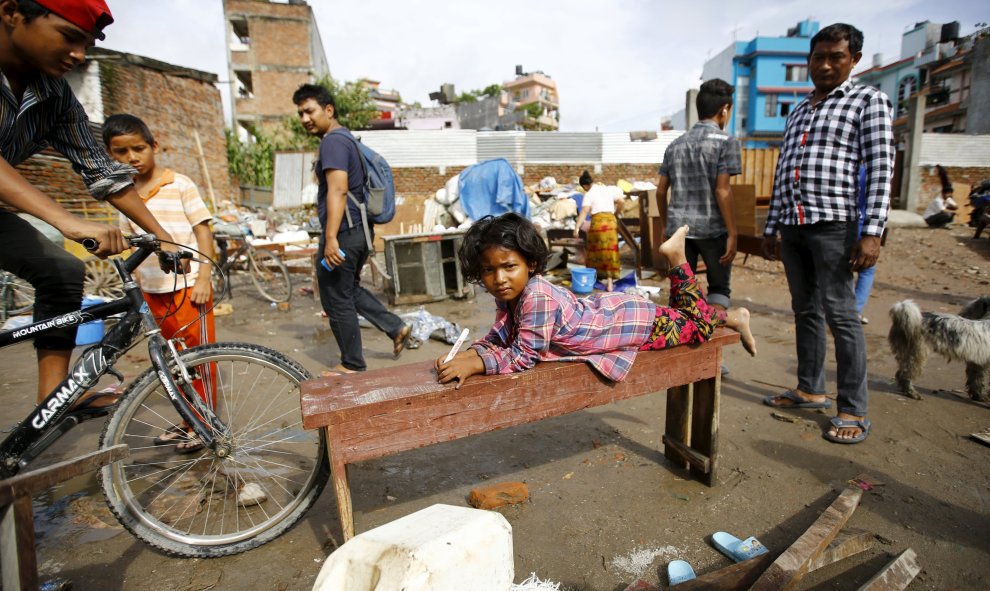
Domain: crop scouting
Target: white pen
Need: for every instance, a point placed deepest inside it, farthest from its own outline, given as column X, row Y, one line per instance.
column 457, row 346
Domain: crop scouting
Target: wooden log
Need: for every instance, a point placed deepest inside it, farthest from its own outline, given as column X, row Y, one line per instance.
column 791, row 566
column 848, row 542
column 735, row 577
column 17, row 557
column 897, row 575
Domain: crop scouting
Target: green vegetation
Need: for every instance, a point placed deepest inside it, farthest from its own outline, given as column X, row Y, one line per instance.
column 472, row 96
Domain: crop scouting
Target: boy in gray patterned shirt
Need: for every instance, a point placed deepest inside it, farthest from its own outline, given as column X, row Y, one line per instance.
column 696, row 169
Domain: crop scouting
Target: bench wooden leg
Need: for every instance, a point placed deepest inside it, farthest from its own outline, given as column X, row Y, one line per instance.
column 678, row 423
column 19, row 562
column 704, row 426
column 342, row 489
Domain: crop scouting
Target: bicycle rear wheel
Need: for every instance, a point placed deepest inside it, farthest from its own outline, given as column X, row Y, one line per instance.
column 18, row 295
column 200, row 504
column 270, row 276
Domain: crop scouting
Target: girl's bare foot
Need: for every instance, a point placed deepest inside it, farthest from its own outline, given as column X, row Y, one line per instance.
column 609, row 286
column 738, row 320
column 673, row 248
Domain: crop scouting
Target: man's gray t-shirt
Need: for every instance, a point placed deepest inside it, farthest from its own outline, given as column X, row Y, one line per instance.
column 692, row 163
column 338, row 152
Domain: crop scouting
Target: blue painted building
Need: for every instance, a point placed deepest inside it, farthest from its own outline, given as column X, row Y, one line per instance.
column 771, row 77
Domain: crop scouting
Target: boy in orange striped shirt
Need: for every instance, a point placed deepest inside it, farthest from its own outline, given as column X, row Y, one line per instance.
column 180, row 303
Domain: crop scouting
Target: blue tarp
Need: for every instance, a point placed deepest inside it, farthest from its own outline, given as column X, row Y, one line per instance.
column 491, row 187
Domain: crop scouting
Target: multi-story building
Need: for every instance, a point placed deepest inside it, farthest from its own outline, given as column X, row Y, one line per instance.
column 386, row 102
column 923, row 46
column 534, row 94
column 272, row 49
column 957, row 87
column 771, row 76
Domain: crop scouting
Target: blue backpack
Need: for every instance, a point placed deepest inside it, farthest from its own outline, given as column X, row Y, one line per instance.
column 379, row 187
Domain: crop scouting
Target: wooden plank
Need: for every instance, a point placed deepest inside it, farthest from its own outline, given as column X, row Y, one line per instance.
column 704, row 424
column 677, row 425
column 35, row 481
column 17, row 557
column 791, row 566
column 381, row 412
column 731, row 578
column 848, row 542
column 897, row 575
column 685, row 454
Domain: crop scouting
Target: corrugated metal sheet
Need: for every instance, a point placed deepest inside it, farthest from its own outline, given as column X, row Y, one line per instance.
column 562, row 147
column 412, row 148
column 510, row 145
column 618, row 148
column 954, row 149
column 293, row 172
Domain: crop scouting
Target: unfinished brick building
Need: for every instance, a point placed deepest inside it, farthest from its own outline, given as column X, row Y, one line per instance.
column 177, row 103
column 272, row 48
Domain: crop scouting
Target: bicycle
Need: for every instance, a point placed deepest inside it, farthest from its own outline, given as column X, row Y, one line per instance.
column 184, row 505
column 268, row 271
column 16, row 295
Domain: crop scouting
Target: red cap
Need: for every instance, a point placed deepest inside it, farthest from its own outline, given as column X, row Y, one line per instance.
column 89, row 15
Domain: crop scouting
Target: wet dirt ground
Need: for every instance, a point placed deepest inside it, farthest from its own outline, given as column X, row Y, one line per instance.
column 606, row 507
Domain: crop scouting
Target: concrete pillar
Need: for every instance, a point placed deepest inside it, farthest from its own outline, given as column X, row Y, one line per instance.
column 911, row 185
column 690, row 108
column 440, row 548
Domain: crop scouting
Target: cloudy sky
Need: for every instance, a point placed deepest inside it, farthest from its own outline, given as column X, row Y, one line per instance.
column 619, row 65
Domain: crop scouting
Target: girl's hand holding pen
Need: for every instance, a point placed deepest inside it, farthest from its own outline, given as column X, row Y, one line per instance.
column 461, row 367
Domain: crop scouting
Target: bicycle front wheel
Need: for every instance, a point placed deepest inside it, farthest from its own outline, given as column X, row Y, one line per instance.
column 201, row 504
column 270, row 276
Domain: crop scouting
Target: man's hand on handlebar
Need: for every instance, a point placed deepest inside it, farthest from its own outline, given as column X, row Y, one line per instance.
column 170, row 258
column 100, row 239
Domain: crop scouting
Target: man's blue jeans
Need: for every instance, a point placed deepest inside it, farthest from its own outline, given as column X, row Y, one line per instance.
column 816, row 262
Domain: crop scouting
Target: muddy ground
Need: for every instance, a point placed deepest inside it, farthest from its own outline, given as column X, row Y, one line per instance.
column 606, row 507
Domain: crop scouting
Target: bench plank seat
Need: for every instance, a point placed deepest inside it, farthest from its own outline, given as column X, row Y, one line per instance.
column 386, row 411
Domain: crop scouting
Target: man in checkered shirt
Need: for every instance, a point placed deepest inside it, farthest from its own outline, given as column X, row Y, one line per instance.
column 839, row 126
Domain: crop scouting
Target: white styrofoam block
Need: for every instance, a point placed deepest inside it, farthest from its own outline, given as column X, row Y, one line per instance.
column 440, row 548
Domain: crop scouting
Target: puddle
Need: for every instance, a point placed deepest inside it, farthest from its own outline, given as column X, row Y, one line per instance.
column 73, row 512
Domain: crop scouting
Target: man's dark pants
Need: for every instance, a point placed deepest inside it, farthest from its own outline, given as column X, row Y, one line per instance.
column 816, row 262
column 942, row 218
column 56, row 275
column 710, row 250
column 343, row 299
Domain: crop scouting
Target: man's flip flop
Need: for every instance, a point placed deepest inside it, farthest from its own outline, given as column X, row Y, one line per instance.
column 192, row 444
column 863, row 425
column 796, row 399
column 736, row 549
column 678, row 572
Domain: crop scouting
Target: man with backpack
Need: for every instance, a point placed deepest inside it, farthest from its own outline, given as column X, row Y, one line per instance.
column 342, row 204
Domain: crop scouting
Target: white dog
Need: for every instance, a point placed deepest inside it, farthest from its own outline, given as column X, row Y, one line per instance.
column 963, row 337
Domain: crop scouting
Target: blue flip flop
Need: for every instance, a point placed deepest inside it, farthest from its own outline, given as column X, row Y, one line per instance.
column 678, row 572
column 838, row 423
column 736, row 549
column 796, row 399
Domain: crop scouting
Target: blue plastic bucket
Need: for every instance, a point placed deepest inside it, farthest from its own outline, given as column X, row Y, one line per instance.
column 90, row 332
column 582, row 280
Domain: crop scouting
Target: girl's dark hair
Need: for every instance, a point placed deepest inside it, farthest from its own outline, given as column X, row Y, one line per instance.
column 124, row 124
column 943, row 178
column 510, row 231
column 585, row 179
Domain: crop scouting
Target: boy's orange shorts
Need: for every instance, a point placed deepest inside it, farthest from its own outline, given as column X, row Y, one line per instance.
column 175, row 310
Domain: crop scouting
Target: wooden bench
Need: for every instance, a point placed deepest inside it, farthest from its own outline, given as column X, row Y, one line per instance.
column 17, row 551
column 385, row 411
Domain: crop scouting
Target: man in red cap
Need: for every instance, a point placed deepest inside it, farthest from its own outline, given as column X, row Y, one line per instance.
column 40, row 41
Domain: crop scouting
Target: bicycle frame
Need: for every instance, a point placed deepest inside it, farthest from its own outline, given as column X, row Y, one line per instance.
column 48, row 421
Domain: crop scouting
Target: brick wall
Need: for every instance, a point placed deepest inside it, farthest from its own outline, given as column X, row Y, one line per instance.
column 172, row 106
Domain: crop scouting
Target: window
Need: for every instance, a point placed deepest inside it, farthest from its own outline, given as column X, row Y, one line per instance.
column 771, row 110
column 785, row 109
column 741, row 112
column 241, row 36
column 796, row 73
column 245, row 86
column 525, row 94
column 905, row 88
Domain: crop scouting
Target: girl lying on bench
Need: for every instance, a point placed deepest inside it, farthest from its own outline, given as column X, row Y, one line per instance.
column 538, row 321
